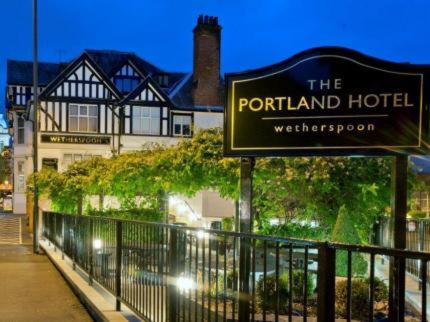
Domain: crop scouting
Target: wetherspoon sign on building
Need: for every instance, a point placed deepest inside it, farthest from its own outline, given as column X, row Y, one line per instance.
column 328, row 101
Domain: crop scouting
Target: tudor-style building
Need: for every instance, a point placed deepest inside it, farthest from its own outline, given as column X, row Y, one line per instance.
column 106, row 102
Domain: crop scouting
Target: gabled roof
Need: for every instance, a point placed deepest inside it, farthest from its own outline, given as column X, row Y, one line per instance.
column 107, row 62
column 143, row 85
column 21, row 72
column 72, row 66
column 110, row 61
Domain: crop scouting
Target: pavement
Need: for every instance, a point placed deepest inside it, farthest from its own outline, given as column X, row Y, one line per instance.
column 31, row 289
column 412, row 291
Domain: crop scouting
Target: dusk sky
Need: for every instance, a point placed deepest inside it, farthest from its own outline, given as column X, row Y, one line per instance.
column 255, row 32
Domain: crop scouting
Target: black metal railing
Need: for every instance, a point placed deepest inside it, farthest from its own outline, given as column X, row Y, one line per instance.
column 417, row 239
column 175, row 273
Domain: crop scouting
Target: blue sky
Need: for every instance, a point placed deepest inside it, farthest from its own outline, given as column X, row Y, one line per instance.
column 255, row 32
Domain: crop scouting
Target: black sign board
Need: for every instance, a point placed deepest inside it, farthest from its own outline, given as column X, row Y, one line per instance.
column 328, row 101
column 75, row 139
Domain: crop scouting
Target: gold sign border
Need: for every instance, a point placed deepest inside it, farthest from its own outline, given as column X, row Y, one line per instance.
column 326, row 147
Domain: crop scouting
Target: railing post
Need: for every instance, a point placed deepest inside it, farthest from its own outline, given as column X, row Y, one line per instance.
column 54, row 234
column 420, row 247
column 118, row 265
column 90, row 252
column 74, row 243
column 399, row 182
column 172, row 291
column 62, row 237
column 326, row 283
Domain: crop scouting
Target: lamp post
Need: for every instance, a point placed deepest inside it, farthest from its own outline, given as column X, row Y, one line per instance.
column 35, row 125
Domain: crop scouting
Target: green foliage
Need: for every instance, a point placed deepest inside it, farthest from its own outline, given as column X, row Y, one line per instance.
column 141, row 214
column 5, row 165
column 227, row 224
column 302, row 189
column 223, row 285
column 345, row 232
column 266, row 290
column 359, row 297
column 417, row 214
column 291, row 229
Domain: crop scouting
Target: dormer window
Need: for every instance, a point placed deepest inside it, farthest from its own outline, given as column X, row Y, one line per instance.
column 126, row 84
column 163, row 80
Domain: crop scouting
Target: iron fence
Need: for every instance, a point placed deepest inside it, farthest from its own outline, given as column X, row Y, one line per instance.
column 176, row 273
column 417, row 239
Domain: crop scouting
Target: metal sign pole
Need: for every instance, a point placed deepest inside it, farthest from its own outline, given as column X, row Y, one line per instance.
column 245, row 209
column 399, row 188
column 35, row 125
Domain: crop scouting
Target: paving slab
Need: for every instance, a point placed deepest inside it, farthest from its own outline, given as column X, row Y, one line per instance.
column 31, row 289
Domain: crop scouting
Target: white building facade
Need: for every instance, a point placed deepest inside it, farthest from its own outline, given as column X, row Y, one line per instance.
column 107, row 102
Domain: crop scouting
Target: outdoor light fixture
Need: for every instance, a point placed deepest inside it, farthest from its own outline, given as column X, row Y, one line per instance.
column 184, row 284
column 97, row 244
column 183, row 208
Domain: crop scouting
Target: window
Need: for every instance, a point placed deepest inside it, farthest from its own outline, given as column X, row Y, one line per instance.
column 126, row 84
column 146, row 120
column 21, row 130
column 21, row 177
column 67, row 160
column 182, row 125
column 83, row 118
column 50, row 163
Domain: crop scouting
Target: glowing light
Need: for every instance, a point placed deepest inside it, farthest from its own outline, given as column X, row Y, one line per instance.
column 97, row 244
column 184, row 284
column 200, row 234
column 173, row 200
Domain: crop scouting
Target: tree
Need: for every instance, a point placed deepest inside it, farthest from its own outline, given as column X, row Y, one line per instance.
column 345, row 232
column 299, row 189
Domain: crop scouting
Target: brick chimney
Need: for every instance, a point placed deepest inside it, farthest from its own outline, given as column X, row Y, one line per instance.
column 206, row 69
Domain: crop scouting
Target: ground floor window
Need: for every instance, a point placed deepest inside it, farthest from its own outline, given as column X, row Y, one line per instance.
column 70, row 158
column 182, row 125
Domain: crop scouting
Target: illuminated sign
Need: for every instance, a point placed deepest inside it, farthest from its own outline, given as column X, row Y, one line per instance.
column 75, row 139
column 327, row 101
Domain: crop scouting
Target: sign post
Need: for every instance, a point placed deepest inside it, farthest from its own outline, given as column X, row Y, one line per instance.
column 399, row 182
column 329, row 101
column 245, row 224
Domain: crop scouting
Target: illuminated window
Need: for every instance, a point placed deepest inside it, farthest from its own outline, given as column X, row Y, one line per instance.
column 21, row 130
column 146, row 120
column 182, row 125
column 83, row 118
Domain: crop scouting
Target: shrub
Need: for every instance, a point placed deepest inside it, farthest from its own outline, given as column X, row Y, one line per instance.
column 267, row 300
column 359, row 297
column 228, row 224
column 345, row 232
column 143, row 214
column 229, row 289
column 417, row 214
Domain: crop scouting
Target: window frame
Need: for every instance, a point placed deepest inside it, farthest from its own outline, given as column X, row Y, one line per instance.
column 181, row 134
column 20, row 133
column 152, row 120
column 80, row 116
